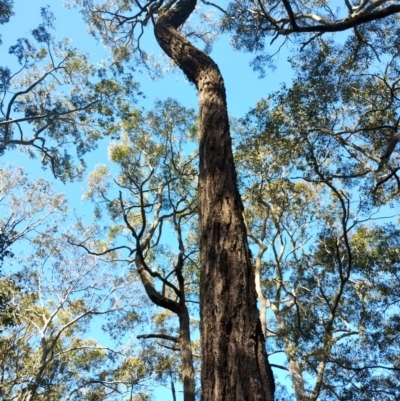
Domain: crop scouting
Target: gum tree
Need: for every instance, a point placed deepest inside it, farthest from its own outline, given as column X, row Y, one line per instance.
column 234, row 362
column 51, row 296
column 154, row 197
column 336, row 129
column 322, row 275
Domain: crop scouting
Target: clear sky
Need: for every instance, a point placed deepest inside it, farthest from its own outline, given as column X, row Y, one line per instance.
column 244, row 88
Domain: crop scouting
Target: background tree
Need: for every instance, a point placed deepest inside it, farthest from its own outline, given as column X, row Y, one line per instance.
column 154, row 198
column 24, row 207
column 337, row 127
column 311, row 230
column 342, row 106
column 54, row 298
column 50, row 103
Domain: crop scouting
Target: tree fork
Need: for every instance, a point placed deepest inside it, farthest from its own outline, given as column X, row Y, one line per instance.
column 234, row 362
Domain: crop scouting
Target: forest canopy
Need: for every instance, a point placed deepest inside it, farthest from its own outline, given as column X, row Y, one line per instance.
column 211, row 256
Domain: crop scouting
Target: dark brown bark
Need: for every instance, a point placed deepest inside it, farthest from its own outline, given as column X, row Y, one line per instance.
column 234, row 363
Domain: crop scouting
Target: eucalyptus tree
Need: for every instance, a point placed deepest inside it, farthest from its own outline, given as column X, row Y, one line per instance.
column 337, row 127
column 323, row 274
column 339, row 120
column 55, row 293
column 19, row 218
column 315, row 181
column 156, row 186
column 54, row 102
column 47, row 353
column 24, row 206
column 232, row 338
column 152, row 204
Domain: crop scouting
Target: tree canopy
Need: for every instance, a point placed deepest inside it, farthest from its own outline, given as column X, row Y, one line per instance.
column 221, row 257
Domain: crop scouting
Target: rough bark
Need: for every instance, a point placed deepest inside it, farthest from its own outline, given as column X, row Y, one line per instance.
column 234, row 362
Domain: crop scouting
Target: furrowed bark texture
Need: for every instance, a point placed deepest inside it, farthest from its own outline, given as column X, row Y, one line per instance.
column 234, row 363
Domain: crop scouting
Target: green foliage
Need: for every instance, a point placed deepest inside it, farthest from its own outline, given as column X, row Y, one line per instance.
column 152, row 212
column 317, row 166
column 51, row 102
column 327, row 266
column 48, row 306
column 8, row 312
column 6, row 10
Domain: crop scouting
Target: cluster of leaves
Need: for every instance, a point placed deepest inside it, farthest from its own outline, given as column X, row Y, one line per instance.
column 256, row 25
column 55, row 299
column 50, row 105
column 6, row 12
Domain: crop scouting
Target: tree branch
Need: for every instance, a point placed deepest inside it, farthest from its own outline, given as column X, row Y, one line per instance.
column 160, row 336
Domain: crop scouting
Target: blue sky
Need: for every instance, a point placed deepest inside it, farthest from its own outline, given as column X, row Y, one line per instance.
column 243, row 86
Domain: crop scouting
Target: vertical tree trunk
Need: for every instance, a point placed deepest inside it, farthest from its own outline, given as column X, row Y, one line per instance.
column 186, row 355
column 234, row 363
column 294, row 367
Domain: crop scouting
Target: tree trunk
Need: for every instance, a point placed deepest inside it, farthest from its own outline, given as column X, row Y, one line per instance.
column 234, row 362
column 294, row 367
column 186, row 355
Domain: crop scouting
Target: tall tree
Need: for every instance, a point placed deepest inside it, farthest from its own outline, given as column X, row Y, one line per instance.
column 233, row 356
column 315, row 248
column 234, row 363
column 156, row 188
column 336, row 128
column 55, row 293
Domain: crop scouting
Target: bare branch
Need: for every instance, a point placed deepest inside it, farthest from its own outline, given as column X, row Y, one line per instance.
column 160, row 336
